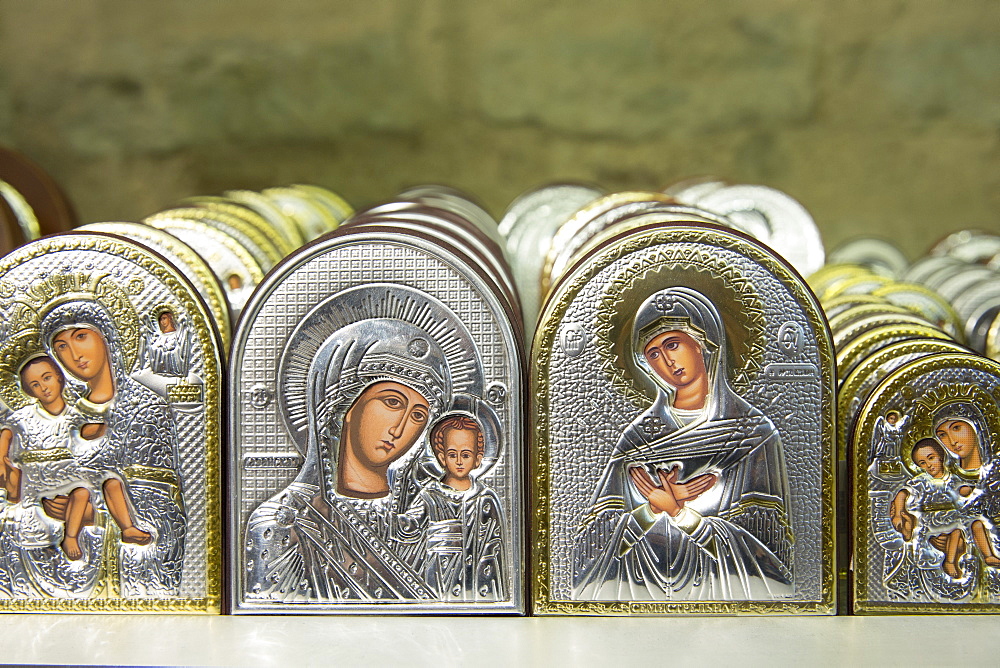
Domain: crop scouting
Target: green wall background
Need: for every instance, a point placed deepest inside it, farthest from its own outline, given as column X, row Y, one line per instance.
column 878, row 115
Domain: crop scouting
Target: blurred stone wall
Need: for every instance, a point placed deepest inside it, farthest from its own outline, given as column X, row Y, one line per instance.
column 879, row 116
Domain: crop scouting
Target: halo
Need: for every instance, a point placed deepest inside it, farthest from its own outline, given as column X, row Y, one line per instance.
column 30, row 304
column 724, row 285
column 160, row 309
column 367, row 302
column 965, row 401
column 466, row 405
column 17, row 351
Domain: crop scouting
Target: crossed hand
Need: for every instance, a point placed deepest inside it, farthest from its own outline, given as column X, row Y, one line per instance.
column 670, row 496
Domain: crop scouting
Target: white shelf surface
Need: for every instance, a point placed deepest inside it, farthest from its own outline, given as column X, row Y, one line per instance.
column 477, row 642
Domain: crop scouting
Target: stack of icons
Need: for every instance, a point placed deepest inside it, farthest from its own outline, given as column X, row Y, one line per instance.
column 917, row 424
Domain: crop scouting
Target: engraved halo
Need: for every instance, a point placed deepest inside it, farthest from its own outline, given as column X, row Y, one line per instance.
column 17, row 351
column 370, row 302
column 723, row 284
column 466, row 405
column 30, row 305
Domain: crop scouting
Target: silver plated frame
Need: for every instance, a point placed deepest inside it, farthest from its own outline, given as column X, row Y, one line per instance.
column 413, row 314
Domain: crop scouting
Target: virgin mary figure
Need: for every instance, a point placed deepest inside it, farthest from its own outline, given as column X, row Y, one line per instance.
column 912, row 569
column 346, row 528
column 963, row 431
column 693, row 502
column 139, row 444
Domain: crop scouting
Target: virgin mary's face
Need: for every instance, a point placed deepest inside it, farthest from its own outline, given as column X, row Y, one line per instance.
column 959, row 437
column 82, row 352
column 675, row 357
column 384, row 423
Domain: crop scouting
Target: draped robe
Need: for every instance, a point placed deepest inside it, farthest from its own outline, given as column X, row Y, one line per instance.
column 731, row 543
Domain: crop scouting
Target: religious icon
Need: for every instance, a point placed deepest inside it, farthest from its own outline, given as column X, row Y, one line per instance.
column 673, row 491
column 928, row 509
column 400, row 486
column 890, row 433
column 930, row 490
column 466, row 527
column 684, row 473
column 167, row 347
column 373, row 389
column 165, row 357
column 96, row 508
column 51, row 424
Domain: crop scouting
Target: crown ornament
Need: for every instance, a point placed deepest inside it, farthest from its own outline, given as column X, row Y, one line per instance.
column 29, row 304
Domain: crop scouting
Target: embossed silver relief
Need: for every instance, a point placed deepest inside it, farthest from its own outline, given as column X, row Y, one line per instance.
column 466, row 529
column 260, row 396
column 100, row 455
column 140, row 434
column 573, row 340
column 934, row 496
column 791, row 341
column 665, row 437
column 166, row 358
column 391, row 525
column 692, row 504
column 404, row 489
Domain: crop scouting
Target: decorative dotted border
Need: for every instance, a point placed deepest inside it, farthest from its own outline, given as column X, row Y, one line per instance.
column 541, row 352
column 207, row 337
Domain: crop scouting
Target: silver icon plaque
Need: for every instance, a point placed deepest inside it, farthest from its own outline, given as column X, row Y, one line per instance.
column 926, row 489
column 376, row 417
column 684, row 406
column 110, row 381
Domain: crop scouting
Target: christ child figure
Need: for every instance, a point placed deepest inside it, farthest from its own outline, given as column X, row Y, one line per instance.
column 38, row 458
column 937, row 496
column 459, row 448
column 465, row 535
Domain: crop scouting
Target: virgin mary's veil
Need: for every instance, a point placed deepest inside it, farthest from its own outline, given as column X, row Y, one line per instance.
column 91, row 315
column 357, row 356
column 971, row 415
column 685, row 310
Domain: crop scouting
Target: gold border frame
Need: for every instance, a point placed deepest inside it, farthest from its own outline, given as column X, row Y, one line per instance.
column 855, row 351
column 878, row 402
column 208, row 339
column 925, row 292
column 539, row 494
column 218, row 303
column 220, row 220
